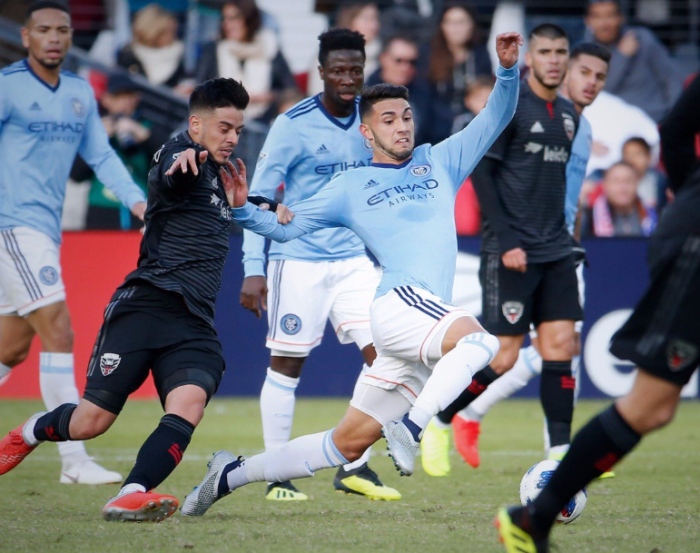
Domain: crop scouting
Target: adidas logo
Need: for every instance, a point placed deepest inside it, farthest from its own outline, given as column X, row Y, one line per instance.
column 35, row 107
column 322, row 150
column 370, row 183
column 537, row 127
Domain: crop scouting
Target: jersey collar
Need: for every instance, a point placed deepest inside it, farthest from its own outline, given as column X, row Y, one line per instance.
column 42, row 81
column 324, row 111
column 393, row 166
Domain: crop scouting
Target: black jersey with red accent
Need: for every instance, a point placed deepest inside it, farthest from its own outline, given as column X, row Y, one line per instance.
column 530, row 160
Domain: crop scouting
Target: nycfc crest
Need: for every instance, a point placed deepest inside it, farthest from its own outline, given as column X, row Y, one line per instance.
column 77, row 106
column 681, row 354
column 420, row 170
column 512, row 311
column 290, row 324
column 109, row 363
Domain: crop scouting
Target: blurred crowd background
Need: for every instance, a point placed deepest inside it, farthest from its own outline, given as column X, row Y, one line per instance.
column 143, row 59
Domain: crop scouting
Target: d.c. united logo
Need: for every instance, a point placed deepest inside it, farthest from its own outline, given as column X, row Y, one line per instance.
column 512, row 311
column 109, row 363
column 569, row 127
column 681, row 354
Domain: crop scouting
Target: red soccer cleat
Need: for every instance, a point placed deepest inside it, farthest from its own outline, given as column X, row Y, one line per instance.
column 467, row 439
column 13, row 450
column 140, row 507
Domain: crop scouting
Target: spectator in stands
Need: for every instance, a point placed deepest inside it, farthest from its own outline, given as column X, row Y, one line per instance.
column 641, row 70
column 456, row 57
column 155, row 51
column 357, row 15
column 618, row 210
column 397, row 65
column 250, row 53
column 134, row 139
column 475, row 98
column 652, row 183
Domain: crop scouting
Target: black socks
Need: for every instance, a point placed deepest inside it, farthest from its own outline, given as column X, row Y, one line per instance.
column 54, row 425
column 480, row 382
column 557, row 388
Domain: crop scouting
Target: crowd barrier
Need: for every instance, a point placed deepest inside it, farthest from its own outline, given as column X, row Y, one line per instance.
column 94, row 263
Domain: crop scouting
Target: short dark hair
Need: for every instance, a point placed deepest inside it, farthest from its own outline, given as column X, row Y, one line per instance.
column 590, row 49
column 45, row 5
column 639, row 141
column 620, row 164
column 402, row 36
column 372, row 94
column 548, row 30
column 219, row 93
column 339, row 39
column 616, row 2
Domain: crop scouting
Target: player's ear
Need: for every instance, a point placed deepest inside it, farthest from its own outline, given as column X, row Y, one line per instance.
column 528, row 59
column 195, row 124
column 25, row 37
column 321, row 73
column 366, row 132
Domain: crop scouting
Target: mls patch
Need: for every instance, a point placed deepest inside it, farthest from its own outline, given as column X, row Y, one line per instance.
column 48, row 275
column 109, row 363
column 512, row 311
column 420, row 170
column 290, row 324
column 262, row 158
column 77, row 106
column 681, row 354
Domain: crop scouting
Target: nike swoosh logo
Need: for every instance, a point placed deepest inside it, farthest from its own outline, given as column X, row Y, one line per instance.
column 71, row 478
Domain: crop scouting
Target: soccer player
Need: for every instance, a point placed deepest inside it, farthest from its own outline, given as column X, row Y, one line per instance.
column 585, row 78
column 322, row 275
column 402, row 207
column 527, row 269
column 161, row 319
column 47, row 115
column 661, row 337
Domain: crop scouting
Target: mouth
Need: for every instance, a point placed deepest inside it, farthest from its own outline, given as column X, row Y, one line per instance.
column 403, row 141
column 226, row 153
column 53, row 53
column 347, row 95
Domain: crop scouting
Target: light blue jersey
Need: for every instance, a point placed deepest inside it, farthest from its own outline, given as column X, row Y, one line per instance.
column 576, row 170
column 41, row 130
column 403, row 213
column 306, row 146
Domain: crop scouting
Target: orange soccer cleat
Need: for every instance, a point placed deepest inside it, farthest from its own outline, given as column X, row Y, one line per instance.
column 140, row 507
column 467, row 439
column 13, row 450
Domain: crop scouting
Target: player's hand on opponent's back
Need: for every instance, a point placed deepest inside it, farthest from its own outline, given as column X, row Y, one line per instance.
column 515, row 260
column 138, row 210
column 254, row 294
column 187, row 161
column 507, row 48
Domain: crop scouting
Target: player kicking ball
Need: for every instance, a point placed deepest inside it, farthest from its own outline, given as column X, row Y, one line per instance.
column 401, row 206
column 161, row 319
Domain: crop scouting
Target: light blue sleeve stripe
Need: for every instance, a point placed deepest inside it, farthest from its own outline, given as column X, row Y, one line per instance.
column 325, row 449
column 56, row 370
column 335, row 449
column 472, row 339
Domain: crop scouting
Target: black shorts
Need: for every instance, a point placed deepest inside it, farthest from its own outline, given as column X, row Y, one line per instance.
column 512, row 300
column 149, row 329
column 662, row 336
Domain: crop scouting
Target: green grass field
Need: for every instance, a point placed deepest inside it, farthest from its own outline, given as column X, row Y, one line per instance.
column 652, row 506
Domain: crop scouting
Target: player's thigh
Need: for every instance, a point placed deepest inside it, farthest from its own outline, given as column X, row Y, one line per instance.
column 298, row 305
column 30, row 272
column 16, row 336
column 53, row 325
column 354, row 285
column 557, row 295
column 357, row 430
column 380, row 404
column 395, row 375
column 507, row 296
column 662, row 335
column 557, row 339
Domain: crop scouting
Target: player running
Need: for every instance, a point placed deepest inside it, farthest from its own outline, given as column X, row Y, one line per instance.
column 161, row 319
column 585, row 78
column 661, row 337
column 322, row 275
column 427, row 349
column 47, row 115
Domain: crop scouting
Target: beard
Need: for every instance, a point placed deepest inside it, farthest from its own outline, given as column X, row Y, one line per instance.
column 50, row 64
column 541, row 79
column 398, row 156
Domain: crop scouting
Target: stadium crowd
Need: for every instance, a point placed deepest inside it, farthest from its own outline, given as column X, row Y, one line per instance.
column 435, row 48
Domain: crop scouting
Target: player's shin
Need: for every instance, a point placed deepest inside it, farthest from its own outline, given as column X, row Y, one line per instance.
column 277, row 400
column 557, row 396
column 50, row 427
column 160, row 453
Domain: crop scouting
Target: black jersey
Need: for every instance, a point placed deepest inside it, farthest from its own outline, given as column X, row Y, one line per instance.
column 530, row 158
column 187, row 225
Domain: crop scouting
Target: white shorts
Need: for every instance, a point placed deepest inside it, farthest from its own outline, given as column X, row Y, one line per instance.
column 408, row 325
column 30, row 272
column 303, row 295
column 578, row 325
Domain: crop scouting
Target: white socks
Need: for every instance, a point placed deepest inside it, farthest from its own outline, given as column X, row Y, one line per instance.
column 57, row 383
column 452, row 375
column 528, row 365
column 299, row 458
column 277, row 401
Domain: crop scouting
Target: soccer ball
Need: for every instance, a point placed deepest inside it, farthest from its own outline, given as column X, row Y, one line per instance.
column 536, row 479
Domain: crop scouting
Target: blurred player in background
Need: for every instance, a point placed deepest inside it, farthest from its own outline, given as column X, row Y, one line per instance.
column 320, row 276
column 662, row 337
column 47, row 116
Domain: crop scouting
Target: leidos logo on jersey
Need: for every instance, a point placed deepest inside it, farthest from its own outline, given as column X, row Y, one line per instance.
column 557, row 155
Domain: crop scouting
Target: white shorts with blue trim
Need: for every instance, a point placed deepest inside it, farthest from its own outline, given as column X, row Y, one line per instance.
column 408, row 326
column 304, row 295
column 30, row 272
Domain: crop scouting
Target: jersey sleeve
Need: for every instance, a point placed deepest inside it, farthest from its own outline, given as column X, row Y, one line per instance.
column 281, row 150
column 4, row 101
column 320, row 211
column 576, row 171
column 104, row 161
column 462, row 151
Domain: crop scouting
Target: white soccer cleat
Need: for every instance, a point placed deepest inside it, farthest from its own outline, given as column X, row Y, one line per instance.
column 207, row 493
column 401, row 446
column 89, row 472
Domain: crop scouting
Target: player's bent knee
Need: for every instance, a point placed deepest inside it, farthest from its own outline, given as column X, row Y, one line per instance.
column 13, row 356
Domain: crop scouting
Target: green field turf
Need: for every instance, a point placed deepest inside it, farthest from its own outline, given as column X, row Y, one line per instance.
column 652, row 506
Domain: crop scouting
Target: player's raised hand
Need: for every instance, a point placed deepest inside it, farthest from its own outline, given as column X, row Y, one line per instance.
column 235, row 183
column 507, row 48
column 254, row 294
column 186, row 161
